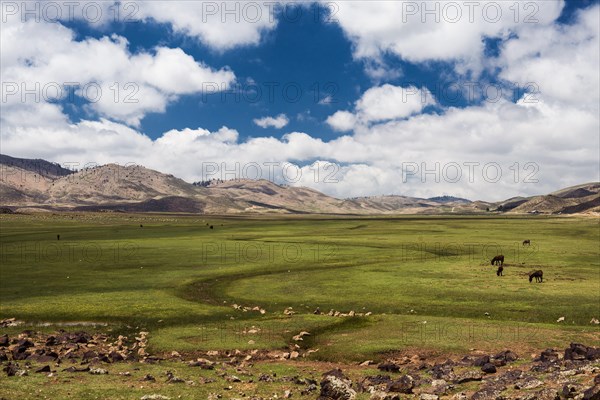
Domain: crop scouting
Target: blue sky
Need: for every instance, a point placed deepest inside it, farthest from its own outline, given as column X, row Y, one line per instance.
column 349, row 71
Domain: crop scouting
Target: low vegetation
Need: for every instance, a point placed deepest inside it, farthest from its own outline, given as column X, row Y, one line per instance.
column 363, row 288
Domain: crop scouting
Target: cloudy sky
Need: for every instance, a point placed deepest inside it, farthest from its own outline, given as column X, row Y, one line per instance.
column 478, row 99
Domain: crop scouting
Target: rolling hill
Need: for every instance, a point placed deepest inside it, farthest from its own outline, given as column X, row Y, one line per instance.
column 27, row 185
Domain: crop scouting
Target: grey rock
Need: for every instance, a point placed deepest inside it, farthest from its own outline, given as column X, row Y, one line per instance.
column 468, row 376
column 404, row 384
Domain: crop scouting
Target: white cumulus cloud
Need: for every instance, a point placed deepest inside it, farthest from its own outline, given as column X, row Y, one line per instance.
column 47, row 59
column 382, row 103
column 220, row 25
column 436, row 31
column 272, row 122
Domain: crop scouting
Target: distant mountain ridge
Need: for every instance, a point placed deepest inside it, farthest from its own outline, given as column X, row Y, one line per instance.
column 448, row 199
column 42, row 185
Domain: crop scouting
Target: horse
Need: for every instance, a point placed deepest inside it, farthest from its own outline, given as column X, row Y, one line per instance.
column 527, row 242
column 498, row 260
column 499, row 272
column 538, row 275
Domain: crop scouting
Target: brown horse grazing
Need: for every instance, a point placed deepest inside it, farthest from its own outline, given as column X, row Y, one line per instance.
column 498, row 260
column 538, row 275
column 500, row 269
column 527, row 242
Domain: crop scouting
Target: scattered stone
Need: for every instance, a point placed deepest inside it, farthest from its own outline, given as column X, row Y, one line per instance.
column 569, row 391
column 154, row 397
column 427, row 396
column 506, row 356
column 468, row 376
column 377, row 395
column 202, row 363
column 489, row 392
column 115, row 356
column 592, row 393
column 299, row 336
column 375, row 383
column 439, row 386
column 577, row 351
column 481, row 361
column 529, row 383
column 310, row 388
column 11, row 369
column 45, row 368
column 336, row 386
column 20, row 353
column 98, row 371
column 51, row 341
column 10, row 322
column 488, row 368
column 289, row 311
column 75, row 369
column 545, row 394
column 149, row 378
column 88, row 355
column 548, row 355
column 404, row 384
column 4, row 342
column 388, row 367
column 443, row 371
column 171, row 378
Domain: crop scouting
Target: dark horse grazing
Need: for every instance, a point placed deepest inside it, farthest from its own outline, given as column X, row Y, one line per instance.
column 527, row 242
column 538, row 275
column 500, row 269
column 498, row 260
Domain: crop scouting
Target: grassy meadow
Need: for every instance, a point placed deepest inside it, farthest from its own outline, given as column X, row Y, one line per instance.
column 427, row 282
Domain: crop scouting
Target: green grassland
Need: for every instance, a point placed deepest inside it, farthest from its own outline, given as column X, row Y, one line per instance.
column 427, row 281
